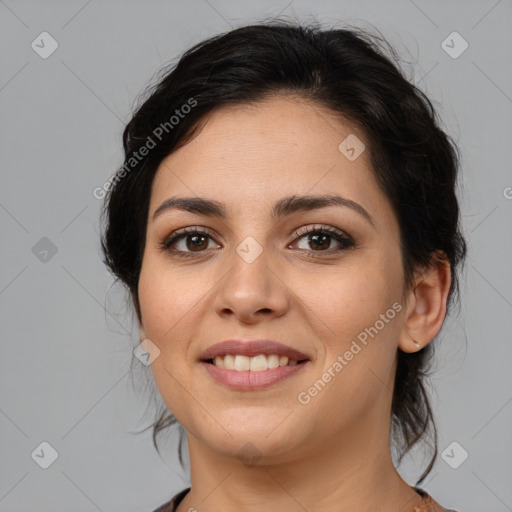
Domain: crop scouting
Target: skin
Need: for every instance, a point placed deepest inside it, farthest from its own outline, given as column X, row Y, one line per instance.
column 333, row 453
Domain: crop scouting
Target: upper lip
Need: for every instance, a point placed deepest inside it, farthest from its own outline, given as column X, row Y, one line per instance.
column 250, row 349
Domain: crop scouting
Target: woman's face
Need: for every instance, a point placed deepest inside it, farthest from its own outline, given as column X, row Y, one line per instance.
column 253, row 277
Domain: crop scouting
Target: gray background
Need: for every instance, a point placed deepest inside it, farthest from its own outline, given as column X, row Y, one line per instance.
column 66, row 337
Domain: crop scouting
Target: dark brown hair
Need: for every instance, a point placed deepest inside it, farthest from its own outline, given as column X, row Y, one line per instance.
column 351, row 72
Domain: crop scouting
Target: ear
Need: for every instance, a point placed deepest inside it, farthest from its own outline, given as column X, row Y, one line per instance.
column 142, row 335
column 426, row 305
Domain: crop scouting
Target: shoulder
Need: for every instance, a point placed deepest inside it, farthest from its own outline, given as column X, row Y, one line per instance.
column 170, row 506
column 428, row 504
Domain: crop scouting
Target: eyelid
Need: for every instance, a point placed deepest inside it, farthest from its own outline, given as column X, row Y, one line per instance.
column 311, row 228
column 189, row 229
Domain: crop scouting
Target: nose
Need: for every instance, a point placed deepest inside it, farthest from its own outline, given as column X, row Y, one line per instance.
column 252, row 291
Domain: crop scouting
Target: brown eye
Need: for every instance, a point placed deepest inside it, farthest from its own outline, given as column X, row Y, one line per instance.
column 320, row 239
column 187, row 241
column 195, row 242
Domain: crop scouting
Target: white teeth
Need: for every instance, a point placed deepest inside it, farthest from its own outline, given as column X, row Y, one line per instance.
column 242, row 363
column 257, row 363
column 273, row 361
column 229, row 362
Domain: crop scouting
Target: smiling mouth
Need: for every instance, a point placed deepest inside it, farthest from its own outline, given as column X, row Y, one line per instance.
column 259, row 363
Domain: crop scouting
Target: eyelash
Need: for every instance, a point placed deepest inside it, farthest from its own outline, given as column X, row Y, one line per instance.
column 344, row 240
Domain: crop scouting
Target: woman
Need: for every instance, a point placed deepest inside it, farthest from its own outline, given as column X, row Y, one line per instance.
column 286, row 222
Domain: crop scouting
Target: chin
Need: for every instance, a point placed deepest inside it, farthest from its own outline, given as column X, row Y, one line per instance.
column 258, row 450
column 268, row 441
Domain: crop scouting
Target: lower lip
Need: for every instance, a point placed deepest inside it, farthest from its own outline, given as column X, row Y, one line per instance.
column 250, row 380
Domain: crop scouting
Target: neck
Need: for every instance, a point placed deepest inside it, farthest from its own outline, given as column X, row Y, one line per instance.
column 357, row 475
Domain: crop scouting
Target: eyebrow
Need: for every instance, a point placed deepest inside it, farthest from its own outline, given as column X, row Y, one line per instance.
column 282, row 208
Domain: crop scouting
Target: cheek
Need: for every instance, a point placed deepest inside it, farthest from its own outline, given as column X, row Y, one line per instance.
column 166, row 301
column 360, row 345
column 347, row 303
column 165, row 296
column 167, row 313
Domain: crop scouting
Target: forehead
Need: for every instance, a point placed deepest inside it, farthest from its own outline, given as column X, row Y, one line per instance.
column 275, row 129
column 248, row 155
